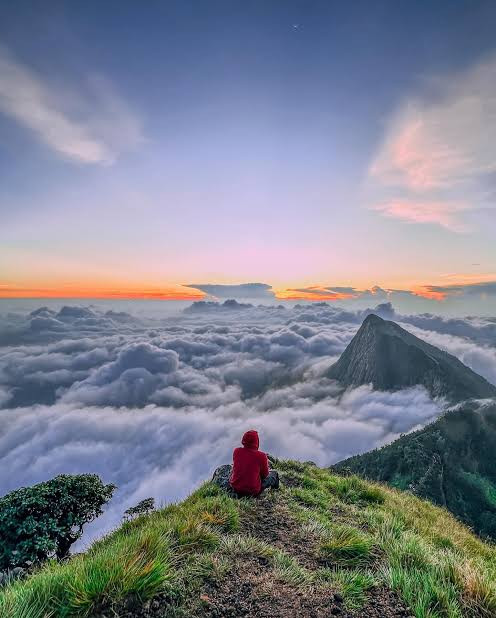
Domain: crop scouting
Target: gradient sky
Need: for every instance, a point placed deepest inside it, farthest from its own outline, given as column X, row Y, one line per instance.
column 310, row 144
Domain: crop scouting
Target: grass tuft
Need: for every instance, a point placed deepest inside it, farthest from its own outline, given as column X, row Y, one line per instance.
column 353, row 584
column 246, row 545
column 288, row 570
column 347, row 546
column 353, row 490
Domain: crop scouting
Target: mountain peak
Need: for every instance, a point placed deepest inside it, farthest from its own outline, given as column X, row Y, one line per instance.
column 384, row 354
column 373, row 318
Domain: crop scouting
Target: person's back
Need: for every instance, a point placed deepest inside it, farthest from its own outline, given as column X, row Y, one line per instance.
column 250, row 466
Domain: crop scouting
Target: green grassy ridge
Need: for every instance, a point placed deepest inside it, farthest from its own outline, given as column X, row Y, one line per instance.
column 365, row 534
column 449, row 462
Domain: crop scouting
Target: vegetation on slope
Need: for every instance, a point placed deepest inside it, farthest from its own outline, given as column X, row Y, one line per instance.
column 450, row 462
column 44, row 520
column 322, row 541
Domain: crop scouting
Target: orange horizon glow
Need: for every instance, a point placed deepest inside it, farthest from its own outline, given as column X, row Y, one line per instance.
column 167, row 293
column 436, row 292
column 426, row 291
column 312, row 293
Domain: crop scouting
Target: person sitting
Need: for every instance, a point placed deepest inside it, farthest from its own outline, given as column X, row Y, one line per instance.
column 250, row 473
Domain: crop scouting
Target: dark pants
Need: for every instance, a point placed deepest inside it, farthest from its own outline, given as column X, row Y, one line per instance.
column 222, row 474
column 271, row 481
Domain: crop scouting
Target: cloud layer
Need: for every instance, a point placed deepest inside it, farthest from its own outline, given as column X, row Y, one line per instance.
column 155, row 403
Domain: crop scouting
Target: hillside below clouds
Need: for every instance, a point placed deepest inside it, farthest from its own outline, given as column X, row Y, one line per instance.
column 450, row 462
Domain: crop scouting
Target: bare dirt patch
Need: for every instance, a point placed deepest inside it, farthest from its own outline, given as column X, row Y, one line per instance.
column 250, row 590
column 271, row 521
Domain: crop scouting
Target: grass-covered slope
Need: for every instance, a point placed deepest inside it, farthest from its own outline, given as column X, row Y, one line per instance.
column 323, row 545
column 450, row 462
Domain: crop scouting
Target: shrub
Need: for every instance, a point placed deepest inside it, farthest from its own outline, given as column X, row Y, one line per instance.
column 43, row 521
column 142, row 508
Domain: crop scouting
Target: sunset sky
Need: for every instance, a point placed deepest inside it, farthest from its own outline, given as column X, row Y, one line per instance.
column 321, row 148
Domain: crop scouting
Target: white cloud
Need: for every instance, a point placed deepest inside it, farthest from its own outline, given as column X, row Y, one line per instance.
column 165, row 452
column 252, row 291
column 441, row 213
column 480, row 358
column 96, row 129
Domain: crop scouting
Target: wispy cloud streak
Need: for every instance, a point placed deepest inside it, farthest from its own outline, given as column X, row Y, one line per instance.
column 96, row 132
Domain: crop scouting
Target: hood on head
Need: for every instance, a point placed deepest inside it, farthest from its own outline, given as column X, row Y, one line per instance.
column 250, row 439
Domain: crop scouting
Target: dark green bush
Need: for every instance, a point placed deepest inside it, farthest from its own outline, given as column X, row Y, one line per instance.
column 43, row 521
column 142, row 508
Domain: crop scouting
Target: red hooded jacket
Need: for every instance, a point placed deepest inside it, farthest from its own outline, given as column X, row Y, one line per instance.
column 250, row 466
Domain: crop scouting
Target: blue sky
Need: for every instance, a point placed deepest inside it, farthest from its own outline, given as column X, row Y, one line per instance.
column 303, row 144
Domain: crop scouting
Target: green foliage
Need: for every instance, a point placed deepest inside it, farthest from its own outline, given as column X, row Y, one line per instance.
column 138, row 563
column 484, row 484
column 142, row 508
column 43, row 521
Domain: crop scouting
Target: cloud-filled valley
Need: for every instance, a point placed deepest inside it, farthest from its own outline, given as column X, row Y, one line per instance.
column 154, row 403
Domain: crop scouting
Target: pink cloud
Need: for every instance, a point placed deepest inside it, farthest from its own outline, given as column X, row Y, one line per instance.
column 417, row 157
column 438, row 213
column 439, row 144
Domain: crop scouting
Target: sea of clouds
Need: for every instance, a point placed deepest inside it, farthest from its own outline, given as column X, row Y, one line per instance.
column 154, row 403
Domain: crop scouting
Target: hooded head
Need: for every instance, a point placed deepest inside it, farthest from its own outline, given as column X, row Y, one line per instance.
column 250, row 439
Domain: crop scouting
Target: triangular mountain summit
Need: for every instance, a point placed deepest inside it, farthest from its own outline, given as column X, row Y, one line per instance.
column 389, row 357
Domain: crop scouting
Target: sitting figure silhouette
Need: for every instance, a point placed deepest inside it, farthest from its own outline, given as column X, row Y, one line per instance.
column 249, row 474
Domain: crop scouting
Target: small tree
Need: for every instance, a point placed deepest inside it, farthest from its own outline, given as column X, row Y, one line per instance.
column 43, row 521
column 142, row 508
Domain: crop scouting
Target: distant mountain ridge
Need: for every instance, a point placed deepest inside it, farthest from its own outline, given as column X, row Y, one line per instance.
column 390, row 358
